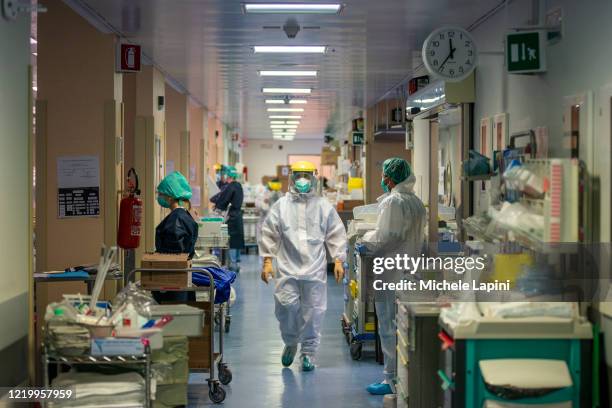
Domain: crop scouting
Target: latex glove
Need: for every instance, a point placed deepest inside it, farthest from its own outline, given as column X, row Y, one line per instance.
column 361, row 249
column 267, row 272
column 338, row 270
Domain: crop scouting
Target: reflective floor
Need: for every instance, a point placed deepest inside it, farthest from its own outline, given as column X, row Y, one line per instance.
column 253, row 348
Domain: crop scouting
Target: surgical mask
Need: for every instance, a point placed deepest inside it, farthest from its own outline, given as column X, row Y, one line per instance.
column 303, row 185
column 163, row 202
column 384, row 186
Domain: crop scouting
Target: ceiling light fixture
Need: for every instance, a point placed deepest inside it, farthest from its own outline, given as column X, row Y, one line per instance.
column 292, row 8
column 285, row 109
column 289, row 73
column 283, row 126
column 298, row 101
column 275, row 101
column 285, row 117
column 292, row 122
column 290, row 49
column 304, row 91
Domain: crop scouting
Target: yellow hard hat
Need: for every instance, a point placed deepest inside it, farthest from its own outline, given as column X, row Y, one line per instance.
column 303, row 166
column 217, row 167
column 275, row 185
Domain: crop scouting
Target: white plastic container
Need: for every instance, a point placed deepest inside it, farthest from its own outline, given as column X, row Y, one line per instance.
column 187, row 321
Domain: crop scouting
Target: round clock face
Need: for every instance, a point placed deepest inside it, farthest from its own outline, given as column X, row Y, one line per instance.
column 450, row 53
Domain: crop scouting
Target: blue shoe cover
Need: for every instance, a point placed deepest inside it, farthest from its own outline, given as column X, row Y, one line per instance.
column 307, row 364
column 379, row 389
column 288, row 355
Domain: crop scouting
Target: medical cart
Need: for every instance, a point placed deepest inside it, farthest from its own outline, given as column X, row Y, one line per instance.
column 144, row 361
column 417, row 355
column 349, row 304
column 216, row 392
column 468, row 347
column 213, row 237
column 250, row 219
column 363, row 326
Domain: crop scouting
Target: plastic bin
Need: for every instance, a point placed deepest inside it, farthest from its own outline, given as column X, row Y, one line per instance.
column 187, row 321
column 366, row 212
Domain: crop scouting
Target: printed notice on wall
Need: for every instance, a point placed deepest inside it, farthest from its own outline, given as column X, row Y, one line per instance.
column 78, row 182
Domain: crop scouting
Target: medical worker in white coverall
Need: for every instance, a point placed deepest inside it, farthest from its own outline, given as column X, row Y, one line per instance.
column 399, row 230
column 296, row 231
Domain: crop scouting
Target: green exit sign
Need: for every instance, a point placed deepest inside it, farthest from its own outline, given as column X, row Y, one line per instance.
column 526, row 52
column 357, row 138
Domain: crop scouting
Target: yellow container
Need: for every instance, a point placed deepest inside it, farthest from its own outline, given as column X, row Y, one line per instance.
column 509, row 266
column 354, row 183
column 354, row 289
column 370, row 327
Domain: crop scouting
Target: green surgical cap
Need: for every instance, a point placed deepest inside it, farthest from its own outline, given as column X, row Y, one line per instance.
column 175, row 185
column 231, row 172
column 397, row 169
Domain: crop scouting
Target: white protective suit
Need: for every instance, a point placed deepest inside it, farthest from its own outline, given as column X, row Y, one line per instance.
column 400, row 229
column 296, row 231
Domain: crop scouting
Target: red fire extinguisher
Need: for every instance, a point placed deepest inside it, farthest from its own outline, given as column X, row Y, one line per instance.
column 130, row 215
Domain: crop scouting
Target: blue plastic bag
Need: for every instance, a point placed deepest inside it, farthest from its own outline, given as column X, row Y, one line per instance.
column 223, row 282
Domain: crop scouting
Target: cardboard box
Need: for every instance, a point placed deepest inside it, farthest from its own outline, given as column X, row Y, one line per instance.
column 329, row 156
column 168, row 279
column 350, row 204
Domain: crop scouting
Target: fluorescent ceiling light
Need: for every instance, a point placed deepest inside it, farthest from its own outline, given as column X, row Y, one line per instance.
column 282, row 122
column 298, row 101
column 290, row 49
column 33, row 40
column 285, row 117
column 304, row 91
column 275, row 101
column 289, row 73
column 284, row 138
column 283, row 126
column 293, row 8
column 285, row 109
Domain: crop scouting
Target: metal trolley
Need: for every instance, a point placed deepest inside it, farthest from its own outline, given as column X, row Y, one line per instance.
column 224, row 376
column 363, row 324
column 51, row 357
column 218, row 245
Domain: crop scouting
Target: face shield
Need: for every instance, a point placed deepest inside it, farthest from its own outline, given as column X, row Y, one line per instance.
column 303, row 182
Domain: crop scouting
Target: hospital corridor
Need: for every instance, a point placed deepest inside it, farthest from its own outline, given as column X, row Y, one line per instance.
column 305, row 204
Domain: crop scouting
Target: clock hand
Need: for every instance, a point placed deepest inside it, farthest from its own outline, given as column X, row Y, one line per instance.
column 444, row 62
column 452, row 50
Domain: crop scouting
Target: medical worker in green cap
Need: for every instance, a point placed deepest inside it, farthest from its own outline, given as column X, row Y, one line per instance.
column 230, row 199
column 400, row 229
column 178, row 232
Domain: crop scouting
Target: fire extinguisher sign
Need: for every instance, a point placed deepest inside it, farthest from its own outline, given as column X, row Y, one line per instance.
column 128, row 57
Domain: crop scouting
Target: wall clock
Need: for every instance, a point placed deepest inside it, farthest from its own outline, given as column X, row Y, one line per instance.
column 449, row 53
